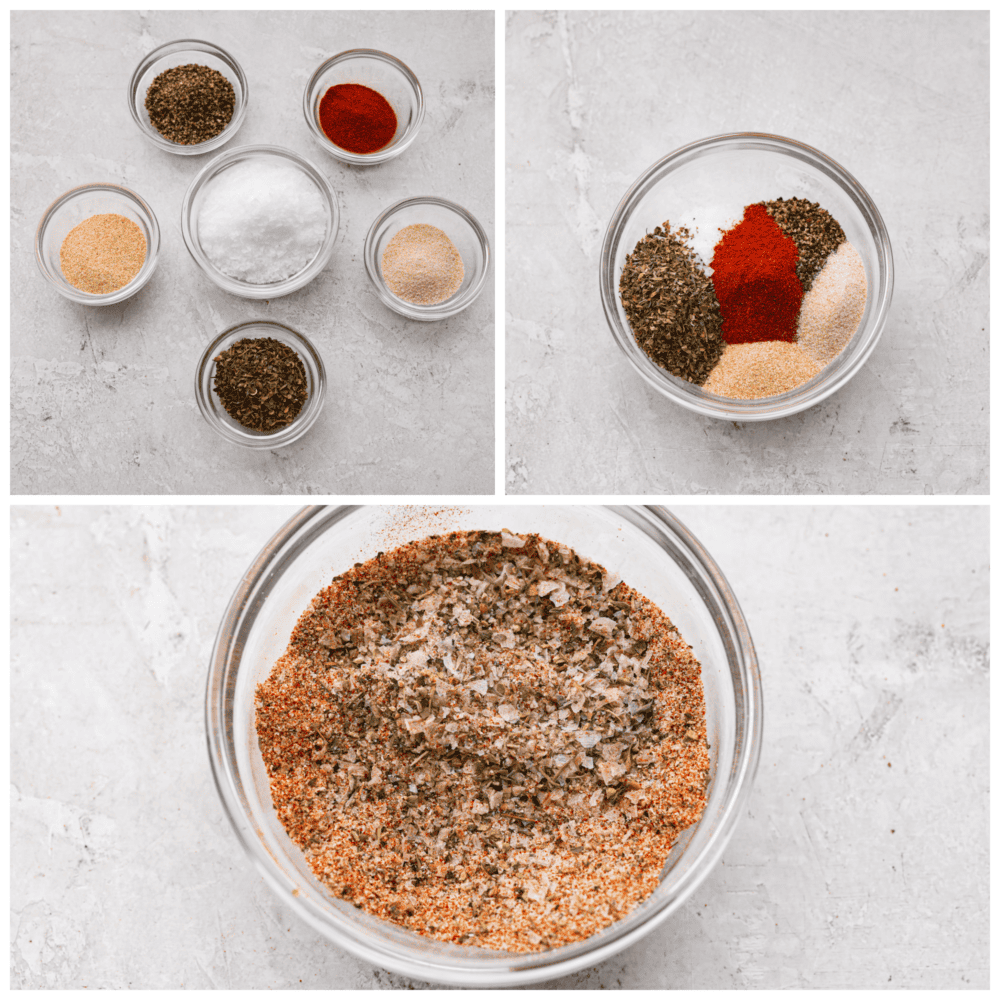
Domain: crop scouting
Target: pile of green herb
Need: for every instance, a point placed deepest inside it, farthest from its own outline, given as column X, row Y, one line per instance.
column 261, row 383
column 671, row 305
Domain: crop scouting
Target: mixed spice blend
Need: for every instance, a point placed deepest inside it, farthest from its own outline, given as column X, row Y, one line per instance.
column 484, row 738
column 785, row 295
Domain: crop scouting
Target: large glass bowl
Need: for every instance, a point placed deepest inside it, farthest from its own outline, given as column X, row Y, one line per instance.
column 181, row 53
column 194, row 198
column 647, row 546
column 737, row 170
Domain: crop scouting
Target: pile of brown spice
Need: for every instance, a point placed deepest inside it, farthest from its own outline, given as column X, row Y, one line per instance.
column 190, row 104
column 816, row 233
column 485, row 739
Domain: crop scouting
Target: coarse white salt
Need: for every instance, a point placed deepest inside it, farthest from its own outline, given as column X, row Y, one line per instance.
column 832, row 309
column 707, row 223
column 261, row 221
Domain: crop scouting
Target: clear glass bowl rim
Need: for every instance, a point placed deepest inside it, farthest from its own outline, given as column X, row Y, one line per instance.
column 771, row 407
column 196, row 45
column 145, row 272
column 380, row 155
column 287, row 435
column 275, row 289
column 296, row 535
column 442, row 310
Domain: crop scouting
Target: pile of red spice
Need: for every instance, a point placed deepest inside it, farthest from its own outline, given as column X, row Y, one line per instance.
column 357, row 118
column 753, row 272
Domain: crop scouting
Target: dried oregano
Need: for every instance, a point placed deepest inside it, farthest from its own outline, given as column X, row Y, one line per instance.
column 261, row 382
column 671, row 305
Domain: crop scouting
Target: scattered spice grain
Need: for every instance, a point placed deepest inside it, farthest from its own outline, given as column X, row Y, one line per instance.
column 261, row 382
column 485, row 739
column 671, row 305
column 102, row 253
column 190, row 104
column 832, row 309
column 760, row 369
column 421, row 265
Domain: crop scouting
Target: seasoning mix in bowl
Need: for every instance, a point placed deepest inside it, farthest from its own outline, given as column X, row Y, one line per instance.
column 760, row 285
column 363, row 106
column 260, row 384
column 501, row 745
column 427, row 258
column 188, row 97
column 487, row 740
column 98, row 243
column 260, row 221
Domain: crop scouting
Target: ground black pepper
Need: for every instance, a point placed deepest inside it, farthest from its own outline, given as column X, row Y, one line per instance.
column 815, row 231
column 190, row 104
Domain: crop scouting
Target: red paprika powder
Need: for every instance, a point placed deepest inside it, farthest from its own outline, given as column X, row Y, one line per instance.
column 357, row 118
column 755, row 282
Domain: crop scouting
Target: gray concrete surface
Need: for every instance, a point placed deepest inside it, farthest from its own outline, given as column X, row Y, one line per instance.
column 900, row 99
column 103, row 399
column 862, row 861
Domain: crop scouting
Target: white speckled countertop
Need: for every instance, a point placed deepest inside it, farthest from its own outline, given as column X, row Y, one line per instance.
column 862, row 862
column 900, row 99
column 103, row 398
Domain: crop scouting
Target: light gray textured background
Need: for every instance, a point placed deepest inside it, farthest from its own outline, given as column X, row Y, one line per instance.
column 900, row 99
column 871, row 625
column 103, row 398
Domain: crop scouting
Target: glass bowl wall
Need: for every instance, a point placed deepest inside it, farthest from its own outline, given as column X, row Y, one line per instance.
column 648, row 547
column 737, row 170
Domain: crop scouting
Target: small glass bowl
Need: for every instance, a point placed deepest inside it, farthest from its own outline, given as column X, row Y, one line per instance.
column 382, row 72
column 215, row 413
column 181, row 53
column 645, row 546
column 739, row 169
column 72, row 208
column 192, row 206
column 458, row 225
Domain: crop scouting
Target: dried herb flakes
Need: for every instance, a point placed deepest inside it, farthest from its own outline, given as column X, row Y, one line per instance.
column 671, row 305
column 261, row 382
